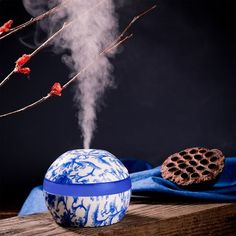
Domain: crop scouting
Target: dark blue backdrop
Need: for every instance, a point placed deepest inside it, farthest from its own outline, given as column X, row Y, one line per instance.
column 175, row 89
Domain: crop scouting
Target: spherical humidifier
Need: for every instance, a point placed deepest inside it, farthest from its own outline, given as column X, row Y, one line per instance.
column 87, row 188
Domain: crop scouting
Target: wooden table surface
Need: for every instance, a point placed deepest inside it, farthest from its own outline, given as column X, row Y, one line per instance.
column 142, row 218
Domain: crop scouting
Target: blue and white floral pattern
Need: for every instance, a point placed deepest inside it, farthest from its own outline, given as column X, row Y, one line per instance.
column 83, row 166
column 87, row 166
column 88, row 211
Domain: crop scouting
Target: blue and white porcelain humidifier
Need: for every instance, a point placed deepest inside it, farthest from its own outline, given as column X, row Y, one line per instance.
column 87, row 188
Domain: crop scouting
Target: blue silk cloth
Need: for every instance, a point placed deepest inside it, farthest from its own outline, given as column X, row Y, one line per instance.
column 150, row 182
column 147, row 181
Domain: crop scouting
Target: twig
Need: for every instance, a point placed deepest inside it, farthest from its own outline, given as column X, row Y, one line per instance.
column 134, row 20
column 7, row 78
column 49, row 39
column 105, row 51
column 43, row 99
column 33, row 20
column 33, row 54
column 44, row 44
column 117, row 42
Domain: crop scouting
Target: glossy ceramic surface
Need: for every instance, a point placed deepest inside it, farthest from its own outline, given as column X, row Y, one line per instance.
column 86, row 168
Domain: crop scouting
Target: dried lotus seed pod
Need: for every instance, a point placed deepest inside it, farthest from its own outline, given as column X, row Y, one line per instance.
column 193, row 166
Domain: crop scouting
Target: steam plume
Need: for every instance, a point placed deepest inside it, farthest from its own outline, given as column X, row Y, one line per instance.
column 83, row 41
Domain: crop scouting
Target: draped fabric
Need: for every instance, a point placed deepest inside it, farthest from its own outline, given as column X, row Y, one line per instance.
column 150, row 182
column 147, row 181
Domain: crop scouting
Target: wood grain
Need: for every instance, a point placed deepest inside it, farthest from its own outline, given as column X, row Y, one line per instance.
column 141, row 219
column 7, row 213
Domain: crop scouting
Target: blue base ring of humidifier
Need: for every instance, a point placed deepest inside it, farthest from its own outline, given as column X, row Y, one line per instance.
column 84, row 190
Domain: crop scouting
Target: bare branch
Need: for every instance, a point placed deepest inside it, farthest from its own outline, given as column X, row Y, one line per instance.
column 134, row 20
column 44, row 44
column 117, row 42
column 43, row 99
column 35, row 19
column 105, row 51
column 7, row 78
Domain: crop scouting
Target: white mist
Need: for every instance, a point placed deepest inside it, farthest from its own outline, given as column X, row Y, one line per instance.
column 83, row 41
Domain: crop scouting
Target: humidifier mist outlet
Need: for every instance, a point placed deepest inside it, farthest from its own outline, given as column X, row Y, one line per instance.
column 87, row 188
